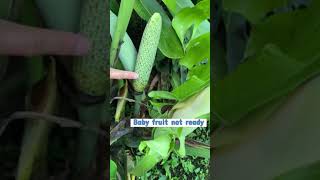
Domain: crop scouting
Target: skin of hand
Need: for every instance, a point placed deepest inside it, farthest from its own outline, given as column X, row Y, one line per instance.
column 20, row 40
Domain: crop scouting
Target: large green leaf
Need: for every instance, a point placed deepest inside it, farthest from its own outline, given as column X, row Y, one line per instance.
column 157, row 149
column 128, row 52
column 187, row 21
column 146, row 163
column 201, row 70
column 190, row 87
column 197, row 50
column 160, row 145
column 253, row 10
column 198, row 151
column 113, row 170
column 269, row 75
column 124, row 15
column 296, row 33
column 310, row 171
column 161, row 95
column 270, row 145
column 175, row 6
column 169, row 43
column 194, row 106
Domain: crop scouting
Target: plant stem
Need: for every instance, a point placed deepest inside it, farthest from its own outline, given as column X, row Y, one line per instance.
column 121, row 102
column 91, row 116
column 124, row 15
column 34, row 144
column 137, row 105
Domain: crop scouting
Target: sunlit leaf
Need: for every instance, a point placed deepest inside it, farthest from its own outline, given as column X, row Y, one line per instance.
column 161, row 95
column 113, row 170
column 197, row 50
column 190, row 17
column 156, row 150
column 194, row 106
column 190, row 87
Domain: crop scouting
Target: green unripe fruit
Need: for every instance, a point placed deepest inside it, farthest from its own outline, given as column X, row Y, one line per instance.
column 147, row 51
column 90, row 71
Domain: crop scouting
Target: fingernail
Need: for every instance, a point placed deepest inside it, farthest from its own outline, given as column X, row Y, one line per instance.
column 136, row 76
column 82, row 46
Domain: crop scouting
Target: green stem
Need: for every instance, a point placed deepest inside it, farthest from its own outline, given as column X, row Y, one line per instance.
column 35, row 139
column 137, row 105
column 90, row 116
column 121, row 102
column 124, row 15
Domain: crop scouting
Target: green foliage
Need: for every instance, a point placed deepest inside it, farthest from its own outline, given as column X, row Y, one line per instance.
column 252, row 9
column 161, row 95
column 270, row 57
column 128, row 52
column 187, row 21
column 176, row 5
column 124, row 15
column 113, row 170
column 164, row 138
column 197, row 51
column 185, row 96
column 288, row 131
column 268, row 105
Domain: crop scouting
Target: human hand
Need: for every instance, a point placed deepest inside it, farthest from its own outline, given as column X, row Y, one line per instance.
column 119, row 74
column 23, row 40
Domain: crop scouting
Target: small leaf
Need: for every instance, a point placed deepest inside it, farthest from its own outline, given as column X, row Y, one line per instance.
column 171, row 5
column 161, row 95
column 113, row 170
column 197, row 50
column 175, row 6
column 146, row 163
column 189, row 88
